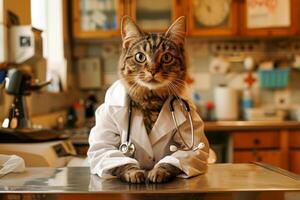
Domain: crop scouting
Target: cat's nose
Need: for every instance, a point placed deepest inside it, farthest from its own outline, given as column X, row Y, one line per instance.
column 152, row 71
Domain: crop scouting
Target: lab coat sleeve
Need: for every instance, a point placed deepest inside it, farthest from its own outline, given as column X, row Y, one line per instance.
column 192, row 163
column 104, row 140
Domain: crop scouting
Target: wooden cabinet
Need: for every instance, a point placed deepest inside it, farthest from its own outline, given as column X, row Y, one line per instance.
column 294, row 163
column 243, row 17
column 280, row 148
column 212, row 18
column 101, row 18
column 97, row 18
column 155, row 15
column 294, row 140
column 294, row 151
column 269, row 18
column 260, row 146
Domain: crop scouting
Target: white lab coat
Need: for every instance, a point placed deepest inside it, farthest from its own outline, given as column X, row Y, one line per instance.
column 111, row 129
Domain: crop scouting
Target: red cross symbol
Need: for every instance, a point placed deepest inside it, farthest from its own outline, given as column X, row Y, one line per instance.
column 249, row 80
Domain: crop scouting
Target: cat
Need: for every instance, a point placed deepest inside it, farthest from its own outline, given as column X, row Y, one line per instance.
column 152, row 67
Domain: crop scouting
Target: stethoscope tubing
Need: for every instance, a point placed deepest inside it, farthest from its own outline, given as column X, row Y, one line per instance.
column 129, row 118
column 186, row 107
column 130, row 147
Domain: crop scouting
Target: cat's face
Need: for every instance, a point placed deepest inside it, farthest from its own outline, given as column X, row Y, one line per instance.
column 155, row 60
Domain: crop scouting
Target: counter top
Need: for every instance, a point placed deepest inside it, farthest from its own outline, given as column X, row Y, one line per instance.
column 219, row 178
column 251, row 125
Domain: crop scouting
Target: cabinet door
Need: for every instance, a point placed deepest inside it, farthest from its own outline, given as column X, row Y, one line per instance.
column 295, row 161
column 212, row 18
column 155, row 15
column 97, row 18
column 294, row 139
column 269, row 18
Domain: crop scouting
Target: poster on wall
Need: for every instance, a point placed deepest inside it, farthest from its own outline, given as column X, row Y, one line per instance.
column 268, row 13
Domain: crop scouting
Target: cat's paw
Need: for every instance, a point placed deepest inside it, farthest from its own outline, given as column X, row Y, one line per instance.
column 163, row 173
column 133, row 176
column 159, row 175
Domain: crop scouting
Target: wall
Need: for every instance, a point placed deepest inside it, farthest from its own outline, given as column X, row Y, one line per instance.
column 200, row 53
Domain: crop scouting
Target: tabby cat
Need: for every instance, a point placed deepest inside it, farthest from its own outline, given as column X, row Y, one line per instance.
column 152, row 67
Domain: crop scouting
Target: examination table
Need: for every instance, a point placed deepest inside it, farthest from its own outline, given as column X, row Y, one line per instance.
column 222, row 181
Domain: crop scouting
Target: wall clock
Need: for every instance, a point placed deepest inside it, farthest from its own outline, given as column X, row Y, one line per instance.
column 211, row 12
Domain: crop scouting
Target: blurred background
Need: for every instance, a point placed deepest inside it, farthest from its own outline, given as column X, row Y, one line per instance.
column 58, row 57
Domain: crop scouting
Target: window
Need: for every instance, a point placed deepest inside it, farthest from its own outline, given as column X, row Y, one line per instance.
column 47, row 15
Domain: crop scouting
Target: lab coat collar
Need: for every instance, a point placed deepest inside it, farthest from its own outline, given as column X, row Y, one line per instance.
column 116, row 95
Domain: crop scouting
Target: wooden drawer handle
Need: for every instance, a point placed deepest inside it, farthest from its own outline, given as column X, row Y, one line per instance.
column 256, row 141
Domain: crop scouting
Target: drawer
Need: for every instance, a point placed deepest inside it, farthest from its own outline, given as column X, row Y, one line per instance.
column 295, row 161
column 272, row 157
column 294, row 139
column 249, row 140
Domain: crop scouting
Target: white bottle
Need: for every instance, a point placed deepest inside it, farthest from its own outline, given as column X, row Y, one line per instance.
column 226, row 103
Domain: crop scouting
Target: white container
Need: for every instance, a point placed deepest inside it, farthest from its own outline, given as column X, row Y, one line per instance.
column 226, row 103
column 22, row 43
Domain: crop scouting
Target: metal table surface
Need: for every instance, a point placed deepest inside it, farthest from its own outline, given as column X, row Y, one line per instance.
column 220, row 178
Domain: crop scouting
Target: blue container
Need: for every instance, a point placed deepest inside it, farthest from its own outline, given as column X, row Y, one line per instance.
column 2, row 76
column 272, row 79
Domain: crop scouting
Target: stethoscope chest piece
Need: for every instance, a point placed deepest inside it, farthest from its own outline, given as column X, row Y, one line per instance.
column 127, row 148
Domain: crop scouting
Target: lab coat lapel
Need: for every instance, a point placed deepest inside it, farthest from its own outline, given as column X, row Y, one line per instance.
column 164, row 123
column 138, row 133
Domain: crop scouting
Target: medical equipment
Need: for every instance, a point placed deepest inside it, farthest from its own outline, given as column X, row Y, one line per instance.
column 128, row 148
column 42, row 154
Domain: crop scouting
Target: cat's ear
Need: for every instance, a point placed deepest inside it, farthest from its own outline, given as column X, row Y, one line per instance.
column 177, row 30
column 129, row 30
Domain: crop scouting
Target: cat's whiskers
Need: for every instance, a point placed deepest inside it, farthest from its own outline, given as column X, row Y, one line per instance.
column 179, row 86
column 173, row 89
column 133, row 89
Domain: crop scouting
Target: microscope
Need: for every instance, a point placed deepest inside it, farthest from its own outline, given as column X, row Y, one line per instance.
column 19, row 83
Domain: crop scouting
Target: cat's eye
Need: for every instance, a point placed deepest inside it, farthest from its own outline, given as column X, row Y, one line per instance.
column 167, row 58
column 140, row 57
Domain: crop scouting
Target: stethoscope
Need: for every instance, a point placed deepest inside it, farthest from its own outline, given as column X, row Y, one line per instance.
column 128, row 148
